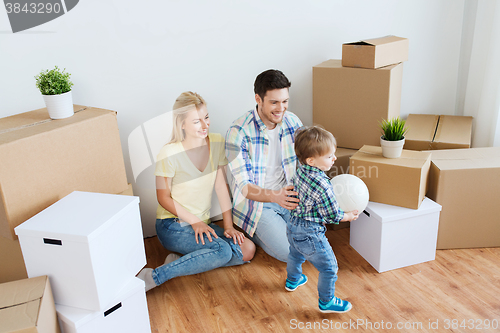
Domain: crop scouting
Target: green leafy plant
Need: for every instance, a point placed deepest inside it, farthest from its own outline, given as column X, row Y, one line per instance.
column 394, row 129
column 53, row 82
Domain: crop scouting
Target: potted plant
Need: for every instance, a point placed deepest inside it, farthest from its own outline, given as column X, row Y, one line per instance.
column 55, row 87
column 393, row 137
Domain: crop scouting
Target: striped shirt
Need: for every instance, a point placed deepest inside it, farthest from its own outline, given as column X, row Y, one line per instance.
column 317, row 200
column 247, row 148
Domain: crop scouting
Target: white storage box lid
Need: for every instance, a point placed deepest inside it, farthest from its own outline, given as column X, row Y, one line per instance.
column 71, row 219
column 77, row 317
column 388, row 213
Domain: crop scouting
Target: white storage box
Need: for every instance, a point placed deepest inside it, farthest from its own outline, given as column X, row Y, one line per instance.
column 391, row 237
column 128, row 313
column 89, row 244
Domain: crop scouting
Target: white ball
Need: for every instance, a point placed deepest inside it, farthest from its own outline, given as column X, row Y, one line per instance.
column 351, row 192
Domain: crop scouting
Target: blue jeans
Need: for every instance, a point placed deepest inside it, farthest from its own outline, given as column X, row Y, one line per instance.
column 308, row 242
column 270, row 234
column 197, row 258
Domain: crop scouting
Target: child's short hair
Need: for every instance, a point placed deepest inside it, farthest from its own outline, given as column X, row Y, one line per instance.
column 313, row 141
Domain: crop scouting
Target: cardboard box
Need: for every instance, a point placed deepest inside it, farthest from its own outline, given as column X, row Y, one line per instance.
column 391, row 237
column 89, row 244
column 350, row 102
column 11, row 258
column 27, row 306
column 127, row 313
column 426, row 132
column 393, row 181
column 44, row 160
column 376, row 52
column 466, row 183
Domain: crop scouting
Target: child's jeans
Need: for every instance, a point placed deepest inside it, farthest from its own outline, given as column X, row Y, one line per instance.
column 308, row 242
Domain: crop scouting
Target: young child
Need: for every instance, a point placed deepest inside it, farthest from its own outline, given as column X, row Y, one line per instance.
column 315, row 149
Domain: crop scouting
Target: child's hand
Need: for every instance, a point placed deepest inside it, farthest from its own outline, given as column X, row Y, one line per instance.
column 354, row 215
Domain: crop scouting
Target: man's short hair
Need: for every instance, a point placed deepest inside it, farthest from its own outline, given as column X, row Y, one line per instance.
column 270, row 80
column 313, row 141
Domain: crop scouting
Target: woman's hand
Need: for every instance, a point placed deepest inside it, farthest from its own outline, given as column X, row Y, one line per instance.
column 201, row 229
column 237, row 236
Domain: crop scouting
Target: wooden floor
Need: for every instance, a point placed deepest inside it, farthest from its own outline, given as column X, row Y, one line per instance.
column 457, row 292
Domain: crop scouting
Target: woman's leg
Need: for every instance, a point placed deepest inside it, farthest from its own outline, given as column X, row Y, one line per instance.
column 196, row 258
column 241, row 253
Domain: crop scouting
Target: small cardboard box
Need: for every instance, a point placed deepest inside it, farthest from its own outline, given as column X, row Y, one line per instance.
column 393, row 181
column 11, row 258
column 89, row 244
column 426, row 132
column 350, row 102
column 391, row 237
column 128, row 312
column 466, row 183
column 44, row 160
column 376, row 52
column 27, row 306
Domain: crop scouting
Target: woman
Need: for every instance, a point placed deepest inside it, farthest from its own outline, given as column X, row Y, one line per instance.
column 188, row 169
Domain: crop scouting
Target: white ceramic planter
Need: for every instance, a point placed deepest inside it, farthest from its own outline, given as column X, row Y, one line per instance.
column 59, row 106
column 392, row 149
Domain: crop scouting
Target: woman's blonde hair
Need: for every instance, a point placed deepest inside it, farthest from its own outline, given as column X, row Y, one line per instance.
column 182, row 106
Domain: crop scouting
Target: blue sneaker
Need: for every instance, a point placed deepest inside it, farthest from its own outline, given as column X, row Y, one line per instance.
column 291, row 286
column 336, row 305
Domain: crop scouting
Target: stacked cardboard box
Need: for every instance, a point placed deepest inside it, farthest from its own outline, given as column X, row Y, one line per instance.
column 45, row 160
column 91, row 246
column 466, row 182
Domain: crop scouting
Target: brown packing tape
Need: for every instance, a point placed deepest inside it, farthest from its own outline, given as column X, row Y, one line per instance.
column 34, row 124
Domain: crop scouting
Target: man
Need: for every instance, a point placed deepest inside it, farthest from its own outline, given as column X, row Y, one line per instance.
column 262, row 160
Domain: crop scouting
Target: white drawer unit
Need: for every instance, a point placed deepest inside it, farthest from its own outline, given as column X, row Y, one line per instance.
column 391, row 237
column 89, row 244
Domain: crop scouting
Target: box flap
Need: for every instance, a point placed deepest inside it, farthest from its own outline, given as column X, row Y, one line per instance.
column 383, row 40
column 454, row 129
column 20, row 303
column 337, row 63
column 470, row 158
column 409, row 158
column 421, row 127
column 22, row 291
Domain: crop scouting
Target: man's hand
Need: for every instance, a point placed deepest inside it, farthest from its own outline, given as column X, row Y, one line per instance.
column 286, row 197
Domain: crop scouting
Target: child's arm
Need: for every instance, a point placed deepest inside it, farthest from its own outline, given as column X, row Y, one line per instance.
column 329, row 208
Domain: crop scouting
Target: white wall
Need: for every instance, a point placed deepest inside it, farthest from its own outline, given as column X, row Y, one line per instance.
column 136, row 57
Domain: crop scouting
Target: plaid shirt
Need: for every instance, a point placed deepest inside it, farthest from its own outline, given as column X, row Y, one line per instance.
column 247, row 148
column 317, row 200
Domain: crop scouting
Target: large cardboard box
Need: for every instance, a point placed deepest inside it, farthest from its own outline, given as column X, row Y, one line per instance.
column 11, row 258
column 466, row 183
column 27, row 306
column 426, row 132
column 127, row 313
column 350, row 102
column 391, row 237
column 89, row 244
column 44, row 160
column 376, row 52
column 393, row 181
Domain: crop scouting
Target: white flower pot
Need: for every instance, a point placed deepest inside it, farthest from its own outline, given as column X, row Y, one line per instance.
column 392, row 149
column 59, row 106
